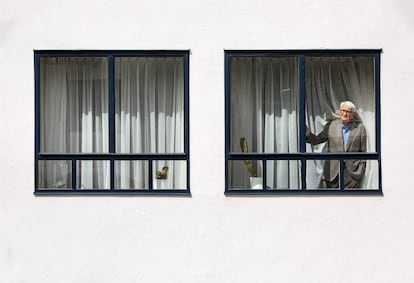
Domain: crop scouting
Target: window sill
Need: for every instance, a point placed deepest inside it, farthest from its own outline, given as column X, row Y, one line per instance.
column 303, row 192
column 114, row 193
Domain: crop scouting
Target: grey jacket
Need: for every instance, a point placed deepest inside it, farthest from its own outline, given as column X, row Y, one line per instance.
column 357, row 142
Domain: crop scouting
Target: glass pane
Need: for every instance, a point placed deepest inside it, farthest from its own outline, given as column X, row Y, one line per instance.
column 369, row 176
column 131, row 174
column 169, row 175
column 149, row 115
column 283, row 174
column 55, row 174
column 245, row 174
column 358, row 174
column 322, row 174
column 93, row 174
column 73, row 105
column 264, row 98
column 340, row 104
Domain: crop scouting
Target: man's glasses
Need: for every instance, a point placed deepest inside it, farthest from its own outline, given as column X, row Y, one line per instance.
column 345, row 111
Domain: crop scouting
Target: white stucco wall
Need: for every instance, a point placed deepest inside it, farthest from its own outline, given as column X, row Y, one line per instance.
column 207, row 237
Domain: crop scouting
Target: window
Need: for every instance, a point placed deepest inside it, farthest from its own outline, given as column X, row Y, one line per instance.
column 112, row 122
column 303, row 122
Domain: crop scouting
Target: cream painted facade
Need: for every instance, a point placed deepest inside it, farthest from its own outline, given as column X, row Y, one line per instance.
column 207, row 237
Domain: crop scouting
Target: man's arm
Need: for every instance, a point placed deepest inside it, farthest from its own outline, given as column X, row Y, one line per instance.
column 317, row 139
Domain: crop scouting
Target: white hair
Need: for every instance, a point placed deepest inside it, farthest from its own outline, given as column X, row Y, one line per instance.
column 348, row 104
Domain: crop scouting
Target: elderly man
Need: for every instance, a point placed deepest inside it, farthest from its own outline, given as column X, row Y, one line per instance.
column 345, row 134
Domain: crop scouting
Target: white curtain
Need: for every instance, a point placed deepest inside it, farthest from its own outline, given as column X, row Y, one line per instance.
column 149, row 118
column 264, row 110
column 264, row 103
column 74, row 119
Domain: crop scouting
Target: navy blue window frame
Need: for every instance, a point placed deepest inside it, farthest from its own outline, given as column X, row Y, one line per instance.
column 112, row 156
column 302, row 156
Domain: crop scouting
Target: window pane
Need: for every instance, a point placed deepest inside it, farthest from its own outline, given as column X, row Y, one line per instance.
column 358, row 174
column 370, row 177
column 320, row 176
column 169, row 175
column 73, row 105
column 330, row 81
column 283, row 174
column 93, row 174
column 245, row 174
column 131, row 174
column 264, row 104
column 149, row 105
column 55, row 174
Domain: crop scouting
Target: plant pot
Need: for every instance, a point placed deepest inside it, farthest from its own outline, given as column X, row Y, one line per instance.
column 256, row 183
column 160, row 184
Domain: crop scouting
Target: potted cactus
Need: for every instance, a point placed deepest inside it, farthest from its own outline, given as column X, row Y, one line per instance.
column 161, row 182
column 255, row 181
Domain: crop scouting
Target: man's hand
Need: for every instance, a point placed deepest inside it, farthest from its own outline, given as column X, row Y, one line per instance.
column 308, row 132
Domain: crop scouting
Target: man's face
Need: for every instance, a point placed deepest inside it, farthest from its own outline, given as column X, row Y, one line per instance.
column 346, row 114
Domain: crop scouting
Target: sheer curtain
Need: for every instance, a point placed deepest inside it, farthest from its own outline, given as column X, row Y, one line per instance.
column 264, row 110
column 74, row 119
column 329, row 81
column 148, row 119
column 264, row 103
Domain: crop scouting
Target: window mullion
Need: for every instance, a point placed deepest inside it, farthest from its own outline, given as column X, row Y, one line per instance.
column 111, row 116
column 264, row 174
column 111, row 102
column 186, row 117
column 341, row 175
column 74, row 174
column 150, row 179
column 227, row 67
column 302, row 118
column 377, row 103
column 378, row 115
column 37, row 119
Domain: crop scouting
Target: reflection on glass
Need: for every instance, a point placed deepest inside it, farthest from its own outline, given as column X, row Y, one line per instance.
column 55, row 174
column 245, row 174
column 131, row 174
column 93, row 174
column 335, row 126
column 149, row 104
column 264, row 104
column 283, row 174
column 73, row 105
column 169, row 175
